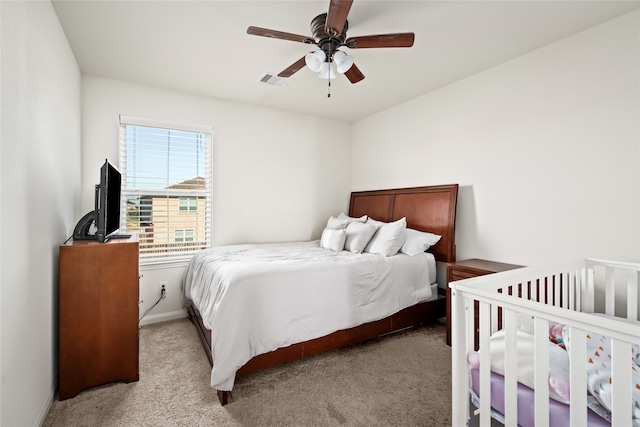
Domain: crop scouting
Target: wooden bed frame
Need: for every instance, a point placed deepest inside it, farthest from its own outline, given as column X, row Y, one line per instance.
column 431, row 209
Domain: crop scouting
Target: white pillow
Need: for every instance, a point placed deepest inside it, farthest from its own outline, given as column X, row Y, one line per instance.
column 375, row 222
column 358, row 235
column 337, row 223
column 333, row 239
column 342, row 215
column 388, row 239
column 416, row 241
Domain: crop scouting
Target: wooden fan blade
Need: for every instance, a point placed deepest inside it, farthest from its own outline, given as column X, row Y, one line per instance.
column 381, row 40
column 354, row 74
column 293, row 68
column 264, row 32
column 337, row 16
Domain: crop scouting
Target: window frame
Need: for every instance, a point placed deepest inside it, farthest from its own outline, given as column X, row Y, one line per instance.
column 186, row 235
column 188, row 206
column 174, row 252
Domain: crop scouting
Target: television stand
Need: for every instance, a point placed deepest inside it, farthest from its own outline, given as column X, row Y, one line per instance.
column 120, row 236
column 99, row 293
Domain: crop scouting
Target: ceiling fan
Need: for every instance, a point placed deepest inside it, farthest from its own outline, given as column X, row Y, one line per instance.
column 329, row 33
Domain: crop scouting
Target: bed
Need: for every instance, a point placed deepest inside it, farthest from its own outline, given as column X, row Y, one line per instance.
column 315, row 322
column 558, row 346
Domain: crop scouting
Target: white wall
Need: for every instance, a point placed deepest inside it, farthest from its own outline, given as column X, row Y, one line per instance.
column 277, row 175
column 39, row 195
column 546, row 149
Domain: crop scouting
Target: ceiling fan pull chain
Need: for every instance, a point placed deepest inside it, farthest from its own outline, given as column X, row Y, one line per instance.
column 330, row 58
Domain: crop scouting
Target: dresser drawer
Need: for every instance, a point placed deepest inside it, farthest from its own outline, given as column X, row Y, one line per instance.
column 458, row 274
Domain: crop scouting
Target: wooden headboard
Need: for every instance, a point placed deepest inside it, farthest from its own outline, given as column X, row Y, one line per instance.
column 431, row 209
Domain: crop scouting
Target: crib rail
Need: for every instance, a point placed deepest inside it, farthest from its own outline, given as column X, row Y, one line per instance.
column 567, row 294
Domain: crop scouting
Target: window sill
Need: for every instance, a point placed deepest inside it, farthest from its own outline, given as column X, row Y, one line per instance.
column 154, row 264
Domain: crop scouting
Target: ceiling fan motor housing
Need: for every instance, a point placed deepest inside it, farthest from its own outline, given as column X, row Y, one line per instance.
column 324, row 41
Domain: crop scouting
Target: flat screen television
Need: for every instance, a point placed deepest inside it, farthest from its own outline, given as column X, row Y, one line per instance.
column 103, row 222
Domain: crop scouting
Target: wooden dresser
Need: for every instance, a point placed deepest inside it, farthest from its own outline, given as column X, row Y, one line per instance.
column 99, row 294
column 466, row 269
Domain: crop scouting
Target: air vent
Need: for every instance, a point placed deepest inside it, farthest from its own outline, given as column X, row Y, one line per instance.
column 274, row 80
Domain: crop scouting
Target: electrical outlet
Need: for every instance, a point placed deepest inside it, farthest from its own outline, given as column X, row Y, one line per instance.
column 162, row 289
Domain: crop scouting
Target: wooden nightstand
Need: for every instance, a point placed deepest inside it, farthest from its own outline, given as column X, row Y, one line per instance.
column 466, row 269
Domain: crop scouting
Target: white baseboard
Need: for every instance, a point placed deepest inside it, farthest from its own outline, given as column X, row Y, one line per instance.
column 163, row 317
column 47, row 406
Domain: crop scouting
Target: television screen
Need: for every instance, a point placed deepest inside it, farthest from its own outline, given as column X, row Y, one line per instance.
column 103, row 222
column 109, row 202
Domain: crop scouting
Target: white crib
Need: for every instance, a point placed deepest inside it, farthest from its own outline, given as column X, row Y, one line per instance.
column 568, row 294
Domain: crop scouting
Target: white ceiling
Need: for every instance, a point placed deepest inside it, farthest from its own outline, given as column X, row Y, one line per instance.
column 201, row 47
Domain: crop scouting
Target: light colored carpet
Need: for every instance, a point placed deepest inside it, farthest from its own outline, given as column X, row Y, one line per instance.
column 399, row 380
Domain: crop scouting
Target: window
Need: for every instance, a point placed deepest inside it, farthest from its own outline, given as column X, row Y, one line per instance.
column 166, row 176
column 188, row 204
column 184, row 236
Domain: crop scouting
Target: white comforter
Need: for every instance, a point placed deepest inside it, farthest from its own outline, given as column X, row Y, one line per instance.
column 257, row 298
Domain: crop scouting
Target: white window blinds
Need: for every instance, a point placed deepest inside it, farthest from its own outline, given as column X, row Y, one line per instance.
column 166, row 187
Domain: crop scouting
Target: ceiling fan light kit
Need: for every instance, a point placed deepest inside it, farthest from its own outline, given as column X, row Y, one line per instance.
column 326, row 72
column 314, row 60
column 343, row 61
column 330, row 33
column 318, row 62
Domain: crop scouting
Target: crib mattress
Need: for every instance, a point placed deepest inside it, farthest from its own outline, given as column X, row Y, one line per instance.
column 558, row 412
